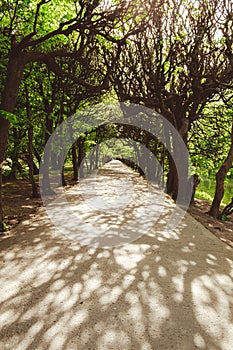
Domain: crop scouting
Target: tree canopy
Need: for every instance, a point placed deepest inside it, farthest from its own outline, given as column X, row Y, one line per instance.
column 173, row 56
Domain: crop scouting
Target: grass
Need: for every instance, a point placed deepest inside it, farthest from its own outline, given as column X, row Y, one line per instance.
column 206, row 190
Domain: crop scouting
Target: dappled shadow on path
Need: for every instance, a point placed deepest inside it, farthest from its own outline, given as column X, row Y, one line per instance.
column 162, row 291
column 155, row 293
column 115, row 207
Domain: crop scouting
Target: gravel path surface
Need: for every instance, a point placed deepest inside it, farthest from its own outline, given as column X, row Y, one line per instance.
column 160, row 291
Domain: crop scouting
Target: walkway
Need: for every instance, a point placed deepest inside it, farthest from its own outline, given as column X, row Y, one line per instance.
column 156, row 292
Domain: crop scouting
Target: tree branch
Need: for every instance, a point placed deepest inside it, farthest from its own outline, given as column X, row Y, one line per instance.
column 49, row 60
column 37, row 14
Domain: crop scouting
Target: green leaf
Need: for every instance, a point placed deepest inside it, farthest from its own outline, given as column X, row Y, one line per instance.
column 9, row 116
column 166, row 66
column 225, row 218
column 4, row 227
column 178, row 38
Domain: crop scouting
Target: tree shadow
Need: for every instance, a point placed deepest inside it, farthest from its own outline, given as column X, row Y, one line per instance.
column 159, row 292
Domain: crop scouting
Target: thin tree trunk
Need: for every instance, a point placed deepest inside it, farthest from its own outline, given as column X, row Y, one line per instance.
column 172, row 173
column 38, row 157
column 16, row 166
column 4, row 130
column 142, row 159
column 136, row 149
column 46, row 180
column 81, row 156
column 74, row 162
column 63, row 177
column 220, row 177
column 97, row 156
column 175, row 185
column 91, row 156
column 159, row 171
column 30, row 146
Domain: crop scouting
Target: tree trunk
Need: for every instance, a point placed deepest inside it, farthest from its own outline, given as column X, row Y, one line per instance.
column 172, row 179
column 38, row 157
column 219, row 192
column 74, row 162
column 91, row 160
column 16, row 166
column 220, row 177
column 30, row 163
column 142, row 159
column 81, row 156
column 228, row 210
column 177, row 184
column 63, row 177
column 4, row 130
column 137, row 153
column 45, row 180
column 9, row 97
column 30, row 146
column 97, row 156
column 35, row 169
column 160, row 170
column 192, row 186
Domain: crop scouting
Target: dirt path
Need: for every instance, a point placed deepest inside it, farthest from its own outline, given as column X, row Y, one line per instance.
column 160, row 291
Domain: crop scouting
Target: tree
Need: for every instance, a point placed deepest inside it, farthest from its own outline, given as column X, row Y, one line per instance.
column 35, row 193
column 220, row 177
column 209, row 137
column 227, row 164
column 30, row 35
column 177, row 65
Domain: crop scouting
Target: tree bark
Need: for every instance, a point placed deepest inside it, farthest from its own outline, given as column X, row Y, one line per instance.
column 30, row 146
column 74, row 162
column 16, row 166
column 46, row 180
column 63, row 177
column 220, row 177
column 81, row 156
column 177, row 184
column 4, row 130
column 172, row 179
column 97, row 156
column 9, row 97
column 38, row 157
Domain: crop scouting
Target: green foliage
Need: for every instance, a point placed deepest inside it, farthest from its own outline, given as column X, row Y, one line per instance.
column 209, row 138
column 4, row 227
column 206, row 190
column 9, row 116
column 173, row 57
column 225, row 218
